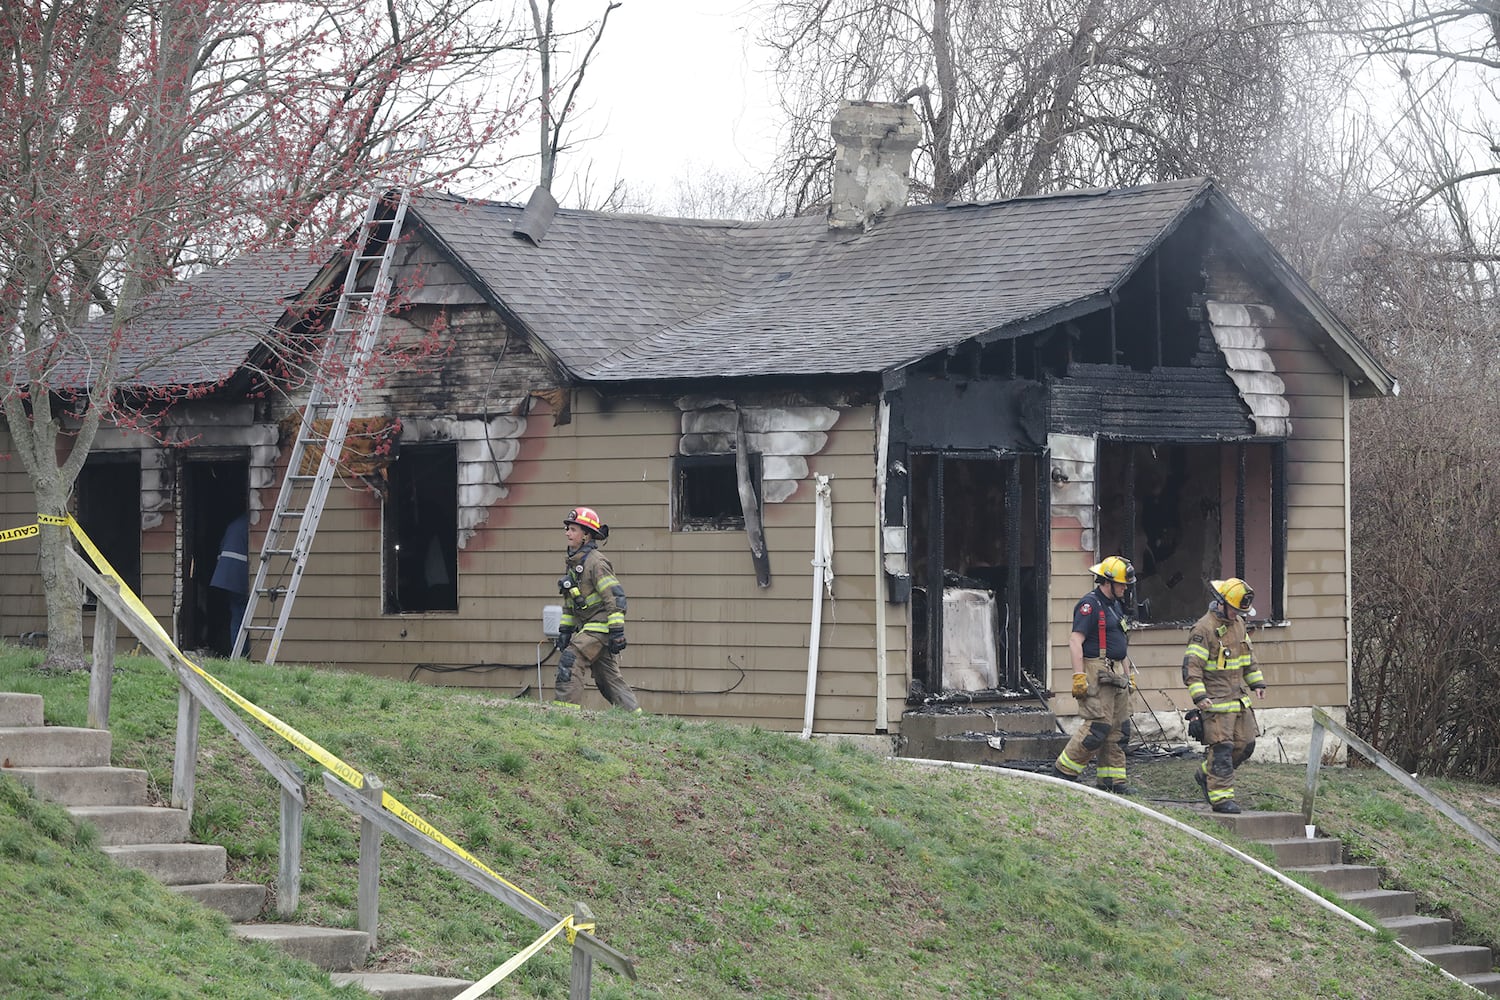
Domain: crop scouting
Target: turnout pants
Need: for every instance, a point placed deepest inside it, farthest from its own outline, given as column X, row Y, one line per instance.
column 1230, row 740
column 588, row 652
column 1104, row 726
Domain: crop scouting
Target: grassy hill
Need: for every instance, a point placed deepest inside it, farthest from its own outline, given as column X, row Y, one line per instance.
column 729, row 862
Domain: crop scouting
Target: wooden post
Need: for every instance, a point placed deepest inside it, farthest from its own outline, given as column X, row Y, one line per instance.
column 581, row 982
column 185, row 760
column 101, row 678
column 289, row 876
column 369, row 859
column 1314, row 761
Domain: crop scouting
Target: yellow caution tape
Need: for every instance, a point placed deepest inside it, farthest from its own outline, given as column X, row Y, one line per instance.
column 349, row 775
column 517, row 960
column 26, row 531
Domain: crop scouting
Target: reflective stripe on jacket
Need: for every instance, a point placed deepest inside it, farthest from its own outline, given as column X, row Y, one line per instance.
column 1220, row 664
column 595, row 602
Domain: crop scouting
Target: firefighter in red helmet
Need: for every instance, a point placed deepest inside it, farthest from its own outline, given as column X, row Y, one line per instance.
column 1101, row 678
column 1220, row 673
column 592, row 633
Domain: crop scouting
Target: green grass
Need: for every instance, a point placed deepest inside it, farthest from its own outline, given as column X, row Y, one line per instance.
column 726, row 861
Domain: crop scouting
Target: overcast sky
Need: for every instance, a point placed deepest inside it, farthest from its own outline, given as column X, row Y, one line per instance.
column 676, row 86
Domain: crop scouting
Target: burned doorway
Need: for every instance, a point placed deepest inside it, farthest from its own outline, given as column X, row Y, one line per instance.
column 213, row 492
column 979, row 565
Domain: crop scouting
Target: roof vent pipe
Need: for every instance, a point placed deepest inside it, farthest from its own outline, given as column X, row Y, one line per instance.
column 537, row 216
column 872, row 161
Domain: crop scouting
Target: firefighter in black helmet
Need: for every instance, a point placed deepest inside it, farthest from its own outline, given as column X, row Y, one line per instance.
column 1101, row 678
column 1220, row 673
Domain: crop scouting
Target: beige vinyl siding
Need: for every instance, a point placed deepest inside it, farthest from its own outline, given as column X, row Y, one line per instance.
column 696, row 616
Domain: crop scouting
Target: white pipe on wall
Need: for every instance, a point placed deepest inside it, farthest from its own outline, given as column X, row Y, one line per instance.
column 821, row 576
column 882, row 442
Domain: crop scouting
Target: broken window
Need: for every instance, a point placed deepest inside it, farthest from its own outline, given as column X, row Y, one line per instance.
column 706, row 492
column 1186, row 514
column 107, row 498
column 420, row 527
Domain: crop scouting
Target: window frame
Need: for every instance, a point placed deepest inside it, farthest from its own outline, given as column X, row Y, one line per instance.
column 419, row 463
column 85, row 508
column 1238, row 509
column 683, row 519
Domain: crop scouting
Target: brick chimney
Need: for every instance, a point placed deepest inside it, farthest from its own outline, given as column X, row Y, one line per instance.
column 872, row 159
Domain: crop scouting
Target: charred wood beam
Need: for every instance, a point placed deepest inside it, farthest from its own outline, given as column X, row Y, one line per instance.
column 750, row 504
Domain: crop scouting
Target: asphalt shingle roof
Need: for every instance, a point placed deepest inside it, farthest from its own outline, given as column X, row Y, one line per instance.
column 620, row 297
column 197, row 332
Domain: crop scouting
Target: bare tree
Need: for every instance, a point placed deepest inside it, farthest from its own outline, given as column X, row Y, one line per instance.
column 1037, row 95
column 557, row 96
column 144, row 138
column 1445, row 61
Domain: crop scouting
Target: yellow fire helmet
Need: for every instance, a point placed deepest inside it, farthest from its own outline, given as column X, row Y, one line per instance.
column 1115, row 569
column 1236, row 593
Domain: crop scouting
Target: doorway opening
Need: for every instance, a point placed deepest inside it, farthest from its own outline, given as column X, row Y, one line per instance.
column 213, row 492
column 979, row 565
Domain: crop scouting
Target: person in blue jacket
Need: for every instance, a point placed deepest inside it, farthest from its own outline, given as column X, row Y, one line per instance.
column 232, row 575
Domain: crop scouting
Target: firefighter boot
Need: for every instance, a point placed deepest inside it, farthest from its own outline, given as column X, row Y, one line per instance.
column 1202, row 780
column 1227, row 806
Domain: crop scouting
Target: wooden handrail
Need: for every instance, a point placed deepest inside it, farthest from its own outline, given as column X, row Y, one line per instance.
column 1323, row 721
column 523, row 904
column 194, row 692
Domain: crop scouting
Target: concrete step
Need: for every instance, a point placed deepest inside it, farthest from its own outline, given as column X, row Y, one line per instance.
column 951, row 720
column 53, row 746
column 1459, row 959
column 1340, row 878
column 84, row 786
column 119, row 825
column 989, row 748
column 1418, row 932
column 174, row 864
column 1485, row 982
column 1255, row 825
column 239, row 901
column 1383, row 902
column 18, row 709
column 402, row 986
column 329, row 948
column 1301, row 852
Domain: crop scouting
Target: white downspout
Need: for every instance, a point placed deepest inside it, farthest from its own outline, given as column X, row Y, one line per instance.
column 820, row 576
column 882, row 441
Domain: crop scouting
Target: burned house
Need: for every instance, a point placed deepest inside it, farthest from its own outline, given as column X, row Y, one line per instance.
column 852, row 465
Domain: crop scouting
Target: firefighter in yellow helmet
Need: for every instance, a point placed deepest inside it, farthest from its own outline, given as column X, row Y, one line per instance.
column 1101, row 678
column 592, row 633
column 1220, row 673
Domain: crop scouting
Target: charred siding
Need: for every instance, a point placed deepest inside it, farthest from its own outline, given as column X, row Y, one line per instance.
column 1164, row 404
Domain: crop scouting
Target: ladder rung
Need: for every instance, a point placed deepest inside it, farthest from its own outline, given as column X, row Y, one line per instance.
column 279, row 552
column 259, row 628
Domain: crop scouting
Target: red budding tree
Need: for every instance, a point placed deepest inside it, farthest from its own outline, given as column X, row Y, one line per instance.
column 142, row 140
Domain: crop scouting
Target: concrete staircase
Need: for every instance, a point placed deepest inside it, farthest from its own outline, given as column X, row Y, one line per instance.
column 1320, row 860
column 70, row 766
column 999, row 734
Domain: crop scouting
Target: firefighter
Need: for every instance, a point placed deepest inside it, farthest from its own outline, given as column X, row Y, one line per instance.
column 1220, row 673
column 592, row 633
column 1101, row 678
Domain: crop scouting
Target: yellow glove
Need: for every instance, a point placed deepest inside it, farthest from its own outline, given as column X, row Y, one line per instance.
column 1080, row 685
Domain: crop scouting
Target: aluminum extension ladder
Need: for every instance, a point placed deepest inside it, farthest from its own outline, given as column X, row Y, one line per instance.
column 336, row 386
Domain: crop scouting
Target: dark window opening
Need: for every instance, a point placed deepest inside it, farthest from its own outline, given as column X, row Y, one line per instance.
column 420, row 564
column 1188, row 514
column 107, row 496
column 706, row 492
